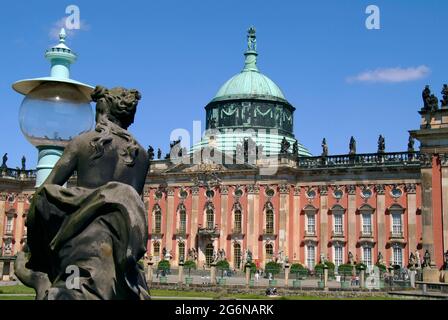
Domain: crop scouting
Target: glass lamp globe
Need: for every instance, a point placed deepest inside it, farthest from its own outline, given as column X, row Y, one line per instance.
column 53, row 113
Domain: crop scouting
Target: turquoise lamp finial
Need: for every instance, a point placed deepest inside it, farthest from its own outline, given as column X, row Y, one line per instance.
column 250, row 64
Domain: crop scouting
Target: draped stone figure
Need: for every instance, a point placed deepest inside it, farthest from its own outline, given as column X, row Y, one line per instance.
column 97, row 229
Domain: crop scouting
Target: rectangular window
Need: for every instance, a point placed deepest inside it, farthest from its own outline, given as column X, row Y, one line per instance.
column 366, row 223
column 311, row 224
column 397, row 256
column 396, row 224
column 367, row 256
column 9, row 224
column 338, row 255
column 310, row 257
column 338, row 224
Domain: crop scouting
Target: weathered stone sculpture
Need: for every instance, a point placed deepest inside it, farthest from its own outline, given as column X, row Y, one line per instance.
column 4, row 160
column 284, row 146
column 324, row 148
column 98, row 229
column 352, row 146
column 426, row 94
column 444, row 101
column 381, row 144
column 150, row 153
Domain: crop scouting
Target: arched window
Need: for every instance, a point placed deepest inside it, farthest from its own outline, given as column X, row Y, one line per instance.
column 237, row 255
column 157, row 249
column 181, row 251
column 157, row 221
column 269, row 222
column 209, row 254
column 269, row 251
column 210, row 215
column 237, row 222
column 182, row 221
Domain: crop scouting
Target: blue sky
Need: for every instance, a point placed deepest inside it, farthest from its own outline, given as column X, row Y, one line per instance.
column 178, row 54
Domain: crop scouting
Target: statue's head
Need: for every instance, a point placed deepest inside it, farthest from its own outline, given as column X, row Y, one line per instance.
column 117, row 105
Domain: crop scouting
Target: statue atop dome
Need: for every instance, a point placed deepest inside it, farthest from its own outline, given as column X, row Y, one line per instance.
column 251, row 39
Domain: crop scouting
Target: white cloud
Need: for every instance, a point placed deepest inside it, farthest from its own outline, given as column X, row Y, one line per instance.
column 391, row 75
column 56, row 28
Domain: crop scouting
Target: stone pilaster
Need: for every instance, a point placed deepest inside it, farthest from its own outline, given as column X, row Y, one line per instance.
column 323, row 221
column 194, row 216
column 412, row 237
column 444, row 169
column 257, row 217
column 296, row 226
column 427, row 211
column 283, row 219
column 351, row 216
column 381, row 221
column 225, row 229
column 251, row 237
column 19, row 223
column 2, row 218
column 170, row 221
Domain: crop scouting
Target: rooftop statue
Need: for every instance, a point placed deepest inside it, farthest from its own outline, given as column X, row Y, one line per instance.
column 99, row 227
column 425, row 96
column 150, row 153
column 284, row 146
column 411, row 143
column 381, row 144
column 352, row 146
column 324, row 148
column 251, row 39
column 295, row 148
column 23, row 163
column 4, row 160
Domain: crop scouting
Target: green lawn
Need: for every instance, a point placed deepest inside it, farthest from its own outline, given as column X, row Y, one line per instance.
column 15, row 289
column 7, row 291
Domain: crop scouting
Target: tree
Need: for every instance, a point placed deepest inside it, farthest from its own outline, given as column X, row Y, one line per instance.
column 189, row 264
column 298, row 269
column 273, row 268
column 253, row 268
column 222, row 265
column 164, row 266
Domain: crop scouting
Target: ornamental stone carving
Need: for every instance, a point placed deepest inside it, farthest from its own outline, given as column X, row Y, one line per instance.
column 195, row 190
column 224, row 190
column 444, row 159
column 410, row 188
column 379, row 188
column 297, row 190
column 284, row 188
column 351, row 189
column 253, row 188
column 170, row 191
column 323, row 190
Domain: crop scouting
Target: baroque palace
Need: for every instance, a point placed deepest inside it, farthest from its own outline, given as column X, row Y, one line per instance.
column 250, row 186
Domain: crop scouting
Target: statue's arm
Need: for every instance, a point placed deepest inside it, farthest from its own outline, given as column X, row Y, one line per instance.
column 66, row 165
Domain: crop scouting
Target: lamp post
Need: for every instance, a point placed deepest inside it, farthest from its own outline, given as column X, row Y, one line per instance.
column 55, row 108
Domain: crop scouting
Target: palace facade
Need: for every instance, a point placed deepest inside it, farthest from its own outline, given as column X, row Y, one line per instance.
column 249, row 185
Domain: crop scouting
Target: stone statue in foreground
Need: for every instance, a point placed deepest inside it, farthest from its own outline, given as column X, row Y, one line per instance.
column 97, row 229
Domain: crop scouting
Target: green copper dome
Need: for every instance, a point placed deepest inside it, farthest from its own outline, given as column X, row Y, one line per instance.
column 250, row 82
